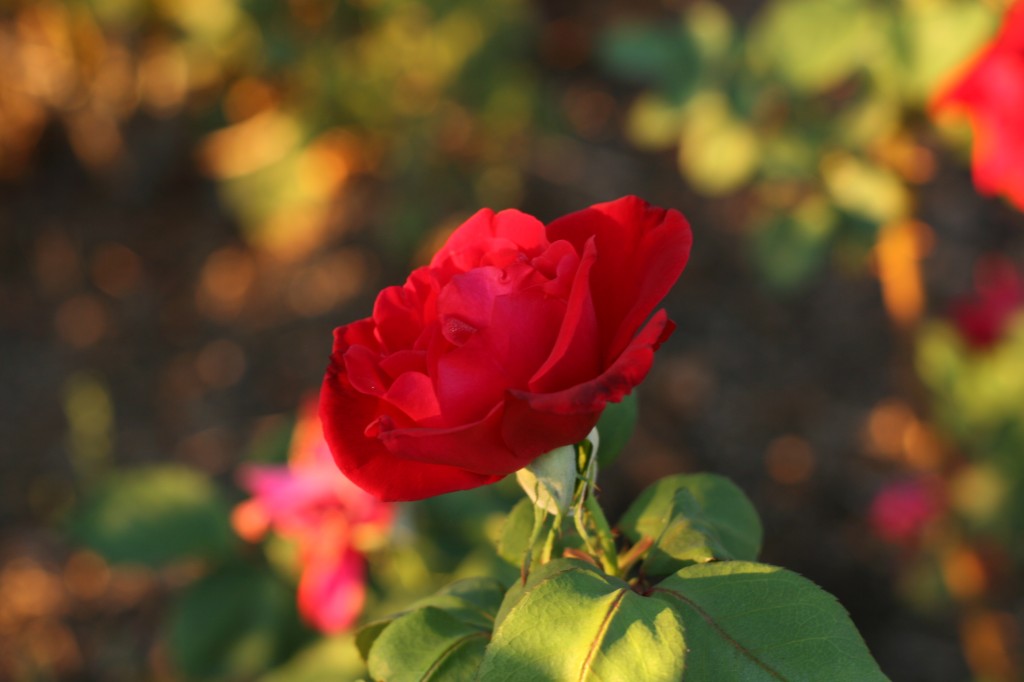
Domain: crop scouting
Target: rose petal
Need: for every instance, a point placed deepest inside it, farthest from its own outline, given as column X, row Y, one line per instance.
column 651, row 247
column 413, row 393
column 625, row 374
column 332, row 590
column 576, row 354
column 476, row 447
column 363, row 369
column 369, row 464
column 486, row 232
column 991, row 91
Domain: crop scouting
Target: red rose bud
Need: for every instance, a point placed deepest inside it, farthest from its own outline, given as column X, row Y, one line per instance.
column 982, row 319
column 991, row 93
column 507, row 345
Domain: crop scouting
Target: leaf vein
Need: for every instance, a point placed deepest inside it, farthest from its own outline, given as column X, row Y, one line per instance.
column 601, row 631
column 723, row 634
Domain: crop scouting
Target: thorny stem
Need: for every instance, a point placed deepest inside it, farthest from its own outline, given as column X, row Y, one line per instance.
column 634, row 554
column 539, row 517
column 590, row 523
column 608, row 554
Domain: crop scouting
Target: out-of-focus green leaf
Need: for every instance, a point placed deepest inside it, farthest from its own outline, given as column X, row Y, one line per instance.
column 812, row 44
column 572, row 622
column 939, row 38
column 792, row 247
column 662, row 56
column 749, row 621
column 615, row 428
column 711, row 27
column 155, row 516
column 865, row 189
column 235, row 623
column 712, row 518
column 653, row 123
column 332, row 659
column 718, row 153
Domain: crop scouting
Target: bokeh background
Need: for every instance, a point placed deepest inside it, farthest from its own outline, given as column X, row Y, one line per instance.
column 194, row 193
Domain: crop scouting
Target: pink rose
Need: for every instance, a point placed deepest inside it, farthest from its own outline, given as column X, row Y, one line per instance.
column 901, row 511
column 332, row 520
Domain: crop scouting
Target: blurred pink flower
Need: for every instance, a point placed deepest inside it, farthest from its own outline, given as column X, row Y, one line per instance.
column 901, row 511
column 982, row 318
column 331, row 519
column 991, row 93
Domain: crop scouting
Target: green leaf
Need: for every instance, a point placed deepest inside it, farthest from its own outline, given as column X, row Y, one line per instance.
column 718, row 152
column 791, row 247
column 812, row 44
column 573, row 622
column 155, row 516
column 865, row 189
column 615, row 428
column 368, row 634
column 235, row 622
column 443, row 637
column 474, row 600
column 332, row 659
column 420, row 645
column 661, row 56
column 940, row 38
column 719, row 621
column 686, row 538
column 748, row 621
column 515, row 534
column 653, row 124
column 693, row 518
column 550, row 480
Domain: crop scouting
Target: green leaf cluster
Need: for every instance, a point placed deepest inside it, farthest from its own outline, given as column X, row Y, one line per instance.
column 815, row 111
column 692, row 605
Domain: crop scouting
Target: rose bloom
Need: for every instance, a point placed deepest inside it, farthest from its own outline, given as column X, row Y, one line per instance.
column 901, row 511
column 332, row 520
column 991, row 92
column 507, row 345
column 982, row 318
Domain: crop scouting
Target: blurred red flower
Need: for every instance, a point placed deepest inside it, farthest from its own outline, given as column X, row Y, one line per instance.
column 901, row 511
column 332, row 520
column 982, row 318
column 510, row 343
column 991, row 92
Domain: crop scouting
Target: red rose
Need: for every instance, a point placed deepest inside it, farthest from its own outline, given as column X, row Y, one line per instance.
column 991, row 92
column 507, row 345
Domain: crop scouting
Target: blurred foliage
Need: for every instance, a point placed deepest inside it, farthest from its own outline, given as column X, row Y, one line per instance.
column 233, row 611
column 958, row 516
column 977, row 398
column 295, row 100
column 814, row 112
column 155, row 516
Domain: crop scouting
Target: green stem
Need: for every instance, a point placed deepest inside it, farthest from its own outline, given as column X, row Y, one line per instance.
column 609, row 556
column 549, row 543
column 539, row 517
